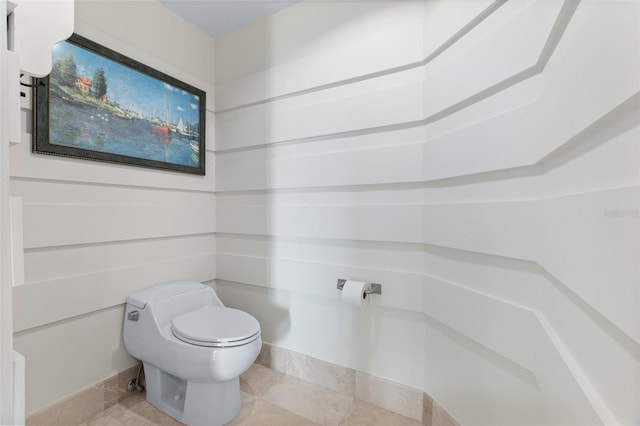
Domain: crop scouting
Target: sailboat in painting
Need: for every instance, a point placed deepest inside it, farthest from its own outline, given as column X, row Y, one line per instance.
column 163, row 127
column 185, row 131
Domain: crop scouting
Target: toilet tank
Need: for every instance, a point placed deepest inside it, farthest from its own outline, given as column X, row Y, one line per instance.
column 166, row 301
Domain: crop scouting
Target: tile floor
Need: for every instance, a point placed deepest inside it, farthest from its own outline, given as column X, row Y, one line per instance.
column 269, row 398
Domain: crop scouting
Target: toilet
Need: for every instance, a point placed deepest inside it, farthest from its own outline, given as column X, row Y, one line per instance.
column 193, row 349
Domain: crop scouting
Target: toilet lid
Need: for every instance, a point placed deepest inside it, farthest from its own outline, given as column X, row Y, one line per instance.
column 216, row 326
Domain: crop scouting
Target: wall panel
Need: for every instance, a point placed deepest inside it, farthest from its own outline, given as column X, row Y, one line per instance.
column 96, row 232
column 402, row 290
column 50, row 263
column 49, row 301
column 498, row 205
column 279, row 167
column 49, row 368
column 375, row 222
column 317, row 45
column 483, row 379
column 360, row 254
column 381, row 101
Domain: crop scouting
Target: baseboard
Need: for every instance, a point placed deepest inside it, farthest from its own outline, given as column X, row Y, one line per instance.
column 407, row 401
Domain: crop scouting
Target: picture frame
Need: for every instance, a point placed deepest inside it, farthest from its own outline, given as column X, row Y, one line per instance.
column 100, row 105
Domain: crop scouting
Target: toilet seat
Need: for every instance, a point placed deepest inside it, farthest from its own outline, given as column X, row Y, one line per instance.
column 215, row 326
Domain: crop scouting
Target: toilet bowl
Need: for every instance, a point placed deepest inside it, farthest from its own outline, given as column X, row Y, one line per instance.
column 193, row 349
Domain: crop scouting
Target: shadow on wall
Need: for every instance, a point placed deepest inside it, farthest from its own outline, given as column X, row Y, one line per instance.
column 269, row 205
column 271, row 309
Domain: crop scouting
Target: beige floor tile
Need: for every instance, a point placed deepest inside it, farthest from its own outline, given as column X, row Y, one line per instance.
column 73, row 410
column 309, row 401
column 115, row 387
column 140, row 412
column 104, row 421
column 270, row 398
column 263, row 413
column 137, row 409
column 363, row 414
column 246, row 410
column 127, row 414
column 127, row 417
column 157, row 417
column 137, row 420
column 258, row 379
column 135, row 402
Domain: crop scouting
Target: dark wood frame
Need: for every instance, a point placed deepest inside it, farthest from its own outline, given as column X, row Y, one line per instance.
column 41, row 98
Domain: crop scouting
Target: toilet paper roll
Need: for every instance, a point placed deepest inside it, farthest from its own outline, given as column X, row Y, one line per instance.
column 353, row 292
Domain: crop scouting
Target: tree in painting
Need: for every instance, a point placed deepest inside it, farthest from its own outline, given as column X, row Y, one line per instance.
column 64, row 70
column 99, row 84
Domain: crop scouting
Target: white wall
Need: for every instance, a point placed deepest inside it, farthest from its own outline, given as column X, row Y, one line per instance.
column 480, row 159
column 6, row 340
column 95, row 232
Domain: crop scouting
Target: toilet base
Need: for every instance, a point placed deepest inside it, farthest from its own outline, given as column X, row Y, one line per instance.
column 192, row 403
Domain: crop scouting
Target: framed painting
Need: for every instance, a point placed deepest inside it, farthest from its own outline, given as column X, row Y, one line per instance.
column 100, row 105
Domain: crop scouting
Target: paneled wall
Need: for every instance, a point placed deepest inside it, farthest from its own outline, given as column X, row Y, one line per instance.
column 96, row 232
column 480, row 160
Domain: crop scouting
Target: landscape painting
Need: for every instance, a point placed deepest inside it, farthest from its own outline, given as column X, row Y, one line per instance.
column 100, row 105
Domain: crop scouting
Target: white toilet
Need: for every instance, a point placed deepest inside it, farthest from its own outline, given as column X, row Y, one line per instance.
column 193, row 349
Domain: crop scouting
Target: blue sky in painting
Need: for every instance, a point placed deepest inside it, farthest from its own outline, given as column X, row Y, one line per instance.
column 132, row 89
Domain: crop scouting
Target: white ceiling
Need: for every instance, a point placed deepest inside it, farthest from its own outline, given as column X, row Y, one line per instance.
column 220, row 17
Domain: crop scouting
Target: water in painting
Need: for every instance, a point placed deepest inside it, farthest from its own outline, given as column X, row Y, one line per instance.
column 101, row 105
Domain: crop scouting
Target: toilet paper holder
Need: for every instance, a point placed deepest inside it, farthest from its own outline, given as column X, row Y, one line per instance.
column 375, row 287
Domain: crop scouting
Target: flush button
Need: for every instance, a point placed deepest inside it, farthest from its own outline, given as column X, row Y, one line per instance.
column 133, row 315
